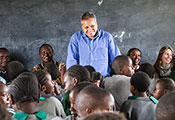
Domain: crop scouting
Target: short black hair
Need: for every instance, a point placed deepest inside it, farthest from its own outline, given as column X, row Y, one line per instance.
column 79, row 72
column 45, row 45
column 88, row 15
column 96, row 76
column 147, row 68
column 25, row 88
column 165, row 109
column 41, row 77
column 3, row 49
column 53, row 69
column 105, row 116
column 14, row 68
column 119, row 62
column 95, row 96
column 167, row 83
column 81, row 86
column 140, row 81
column 132, row 49
column 90, row 68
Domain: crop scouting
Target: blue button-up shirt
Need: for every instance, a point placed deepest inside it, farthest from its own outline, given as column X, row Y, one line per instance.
column 98, row 52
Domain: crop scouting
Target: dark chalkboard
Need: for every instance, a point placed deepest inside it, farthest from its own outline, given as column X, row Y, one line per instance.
column 27, row 24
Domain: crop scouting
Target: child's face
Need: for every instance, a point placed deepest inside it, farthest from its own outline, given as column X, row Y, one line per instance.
column 49, row 85
column 46, row 54
column 128, row 69
column 97, row 83
column 4, row 58
column 159, row 90
column 4, row 96
column 135, row 57
column 72, row 97
column 68, row 81
column 167, row 57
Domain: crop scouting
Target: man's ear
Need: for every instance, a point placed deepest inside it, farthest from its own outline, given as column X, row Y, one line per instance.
column 75, row 81
column 43, row 88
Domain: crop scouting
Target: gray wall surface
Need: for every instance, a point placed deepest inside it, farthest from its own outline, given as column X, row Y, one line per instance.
column 26, row 24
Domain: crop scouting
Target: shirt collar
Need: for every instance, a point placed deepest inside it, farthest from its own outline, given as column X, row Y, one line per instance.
column 3, row 72
column 23, row 116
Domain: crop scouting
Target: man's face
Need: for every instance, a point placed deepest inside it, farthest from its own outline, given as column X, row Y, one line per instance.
column 4, row 59
column 46, row 54
column 89, row 27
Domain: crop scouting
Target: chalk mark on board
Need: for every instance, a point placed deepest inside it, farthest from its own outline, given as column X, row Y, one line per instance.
column 100, row 2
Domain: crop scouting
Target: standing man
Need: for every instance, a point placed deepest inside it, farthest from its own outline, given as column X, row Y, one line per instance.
column 92, row 46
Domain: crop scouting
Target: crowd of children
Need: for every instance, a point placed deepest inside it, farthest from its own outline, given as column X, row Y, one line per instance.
column 134, row 91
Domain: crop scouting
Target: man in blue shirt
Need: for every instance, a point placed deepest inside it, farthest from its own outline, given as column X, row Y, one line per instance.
column 92, row 46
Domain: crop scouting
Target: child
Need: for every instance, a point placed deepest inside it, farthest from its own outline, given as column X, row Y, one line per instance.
column 5, row 59
column 4, row 96
column 73, row 94
column 118, row 84
column 93, row 99
column 48, row 102
column 149, row 69
column 163, row 86
column 97, row 78
column 24, row 92
column 46, row 53
column 72, row 77
column 139, row 106
column 135, row 54
column 14, row 68
column 165, row 109
column 55, row 74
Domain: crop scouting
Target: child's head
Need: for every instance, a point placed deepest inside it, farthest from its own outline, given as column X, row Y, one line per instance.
column 14, row 68
column 45, row 80
column 163, row 86
column 53, row 69
column 122, row 65
column 90, row 68
column 96, row 78
column 135, row 55
column 73, row 94
column 93, row 99
column 105, row 116
column 24, row 89
column 147, row 68
column 46, row 53
column 165, row 109
column 139, row 83
column 4, row 58
column 4, row 96
column 74, row 75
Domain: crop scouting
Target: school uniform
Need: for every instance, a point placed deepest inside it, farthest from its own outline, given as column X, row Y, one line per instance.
column 139, row 108
column 118, row 85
